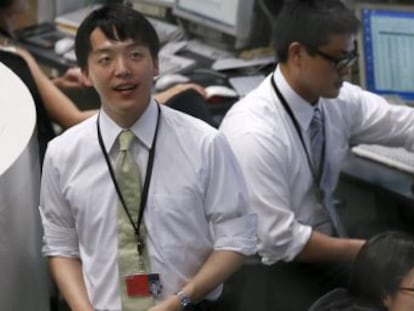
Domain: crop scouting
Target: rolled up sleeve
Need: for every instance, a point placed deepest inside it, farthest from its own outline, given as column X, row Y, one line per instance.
column 234, row 228
column 60, row 237
column 281, row 236
column 283, row 243
column 237, row 234
column 59, row 241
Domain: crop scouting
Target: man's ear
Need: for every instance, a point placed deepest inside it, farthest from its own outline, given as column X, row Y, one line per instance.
column 156, row 67
column 295, row 51
column 86, row 79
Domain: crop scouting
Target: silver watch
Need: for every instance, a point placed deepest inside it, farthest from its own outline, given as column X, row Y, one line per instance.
column 185, row 301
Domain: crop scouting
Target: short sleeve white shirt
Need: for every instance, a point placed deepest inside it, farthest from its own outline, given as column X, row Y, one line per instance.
column 197, row 201
column 274, row 163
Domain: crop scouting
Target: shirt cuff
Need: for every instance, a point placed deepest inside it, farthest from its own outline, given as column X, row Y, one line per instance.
column 237, row 234
column 59, row 241
column 300, row 235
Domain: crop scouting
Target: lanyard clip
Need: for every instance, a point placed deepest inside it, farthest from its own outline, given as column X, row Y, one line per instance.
column 140, row 245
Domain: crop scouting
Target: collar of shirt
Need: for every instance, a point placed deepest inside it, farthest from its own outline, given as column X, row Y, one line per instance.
column 143, row 128
column 302, row 110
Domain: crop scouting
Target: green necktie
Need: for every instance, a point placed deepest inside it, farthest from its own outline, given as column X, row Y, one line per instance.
column 129, row 181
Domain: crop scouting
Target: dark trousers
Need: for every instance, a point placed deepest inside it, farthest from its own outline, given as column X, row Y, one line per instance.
column 281, row 287
column 295, row 286
column 207, row 305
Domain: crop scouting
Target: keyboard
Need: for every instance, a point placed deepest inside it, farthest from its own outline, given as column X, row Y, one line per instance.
column 169, row 63
column 245, row 84
column 398, row 158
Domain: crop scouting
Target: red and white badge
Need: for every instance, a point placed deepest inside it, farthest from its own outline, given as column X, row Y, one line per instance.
column 143, row 285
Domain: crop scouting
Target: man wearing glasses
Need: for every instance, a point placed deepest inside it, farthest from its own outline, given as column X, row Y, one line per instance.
column 291, row 135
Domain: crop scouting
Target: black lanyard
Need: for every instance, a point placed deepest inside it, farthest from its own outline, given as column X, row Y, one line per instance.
column 317, row 176
column 147, row 180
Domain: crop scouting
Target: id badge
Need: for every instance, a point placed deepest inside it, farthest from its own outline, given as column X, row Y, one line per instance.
column 143, row 285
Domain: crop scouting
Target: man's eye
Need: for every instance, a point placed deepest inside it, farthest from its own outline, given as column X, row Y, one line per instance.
column 104, row 60
column 136, row 55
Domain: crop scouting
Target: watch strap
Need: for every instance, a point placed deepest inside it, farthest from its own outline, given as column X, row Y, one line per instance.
column 186, row 303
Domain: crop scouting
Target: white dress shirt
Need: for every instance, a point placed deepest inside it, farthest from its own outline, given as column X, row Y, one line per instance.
column 197, row 201
column 279, row 180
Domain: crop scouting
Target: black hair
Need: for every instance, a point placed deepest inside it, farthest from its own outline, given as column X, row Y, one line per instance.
column 380, row 266
column 4, row 4
column 312, row 23
column 117, row 22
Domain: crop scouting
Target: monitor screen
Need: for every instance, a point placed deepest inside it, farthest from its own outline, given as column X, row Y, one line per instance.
column 386, row 45
column 222, row 13
column 231, row 17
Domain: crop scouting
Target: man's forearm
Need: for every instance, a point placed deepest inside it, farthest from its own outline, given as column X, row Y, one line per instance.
column 67, row 273
column 218, row 267
column 321, row 247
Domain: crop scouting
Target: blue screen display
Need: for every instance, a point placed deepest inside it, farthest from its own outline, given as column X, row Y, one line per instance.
column 388, row 51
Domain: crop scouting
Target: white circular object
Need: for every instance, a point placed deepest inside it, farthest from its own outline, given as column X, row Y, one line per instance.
column 17, row 117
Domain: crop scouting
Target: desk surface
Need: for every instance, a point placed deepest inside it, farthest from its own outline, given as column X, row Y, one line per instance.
column 380, row 177
column 202, row 73
column 49, row 58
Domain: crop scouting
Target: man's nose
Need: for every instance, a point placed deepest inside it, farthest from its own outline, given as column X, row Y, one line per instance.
column 122, row 67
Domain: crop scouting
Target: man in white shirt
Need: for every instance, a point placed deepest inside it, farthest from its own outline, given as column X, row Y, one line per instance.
column 271, row 131
column 198, row 227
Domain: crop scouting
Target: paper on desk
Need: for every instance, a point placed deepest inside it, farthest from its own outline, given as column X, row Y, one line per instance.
column 173, row 47
column 237, row 63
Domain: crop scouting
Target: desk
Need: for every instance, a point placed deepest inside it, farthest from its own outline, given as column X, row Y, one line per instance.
column 373, row 192
column 202, row 74
column 39, row 40
column 49, row 58
column 376, row 194
column 379, row 177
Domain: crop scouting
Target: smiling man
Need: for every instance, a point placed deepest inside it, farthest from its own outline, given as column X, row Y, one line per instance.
column 291, row 135
column 114, row 242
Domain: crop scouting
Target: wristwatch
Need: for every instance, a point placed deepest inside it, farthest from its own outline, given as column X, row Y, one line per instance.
column 186, row 304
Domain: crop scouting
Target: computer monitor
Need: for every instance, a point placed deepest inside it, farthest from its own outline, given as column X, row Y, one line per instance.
column 386, row 45
column 229, row 24
column 48, row 10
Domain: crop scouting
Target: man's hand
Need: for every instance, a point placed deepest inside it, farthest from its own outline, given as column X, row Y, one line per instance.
column 72, row 78
column 164, row 96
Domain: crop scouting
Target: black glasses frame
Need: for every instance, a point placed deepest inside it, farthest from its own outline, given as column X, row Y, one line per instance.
column 339, row 63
